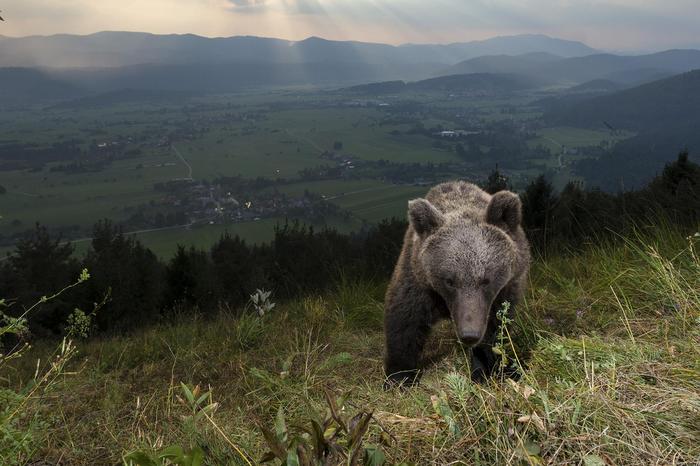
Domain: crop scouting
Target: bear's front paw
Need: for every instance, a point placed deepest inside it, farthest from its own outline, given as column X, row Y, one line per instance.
column 402, row 379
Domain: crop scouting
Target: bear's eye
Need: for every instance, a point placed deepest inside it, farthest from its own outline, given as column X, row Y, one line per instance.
column 485, row 282
column 450, row 282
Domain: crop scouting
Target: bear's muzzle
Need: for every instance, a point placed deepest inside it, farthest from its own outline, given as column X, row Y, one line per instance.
column 470, row 315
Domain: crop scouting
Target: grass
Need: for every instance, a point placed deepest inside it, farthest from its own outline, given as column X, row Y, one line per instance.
column 607, row 342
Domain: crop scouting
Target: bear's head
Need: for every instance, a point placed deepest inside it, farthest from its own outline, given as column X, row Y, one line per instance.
column 467, row 260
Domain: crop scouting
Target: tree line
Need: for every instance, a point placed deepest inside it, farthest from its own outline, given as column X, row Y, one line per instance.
column 141, row 288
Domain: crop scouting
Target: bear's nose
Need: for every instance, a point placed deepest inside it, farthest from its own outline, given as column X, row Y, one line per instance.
column 469, row 337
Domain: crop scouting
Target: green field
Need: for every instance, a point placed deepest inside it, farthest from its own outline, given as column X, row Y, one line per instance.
column 289, row 141
column 375, row 205
column 367, row 200
column 273, row 135
column 62, row 200
column 278, row 146
column 556, row 139
column 164, row 243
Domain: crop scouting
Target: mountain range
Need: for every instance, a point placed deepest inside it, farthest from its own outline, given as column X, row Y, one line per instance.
column 60, row 67
column 667, row 102
column 118, row 49
column 615, row 68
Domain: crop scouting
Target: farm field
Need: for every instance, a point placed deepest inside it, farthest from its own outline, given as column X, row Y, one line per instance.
column 368, row 200
column 290, row 141
column 376, row 205
column 165, row 243
column 126, row 149
column 55, row 198
column 557, row 138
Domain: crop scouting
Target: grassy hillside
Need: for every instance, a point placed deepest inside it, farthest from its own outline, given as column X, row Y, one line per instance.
column 606, row 344
column 672, row 101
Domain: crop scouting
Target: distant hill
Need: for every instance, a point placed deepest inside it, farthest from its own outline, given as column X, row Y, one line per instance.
column 664, row 114
column 596, row 86
column 637, row 76
column 505, row 45
column 527, row 63
column 222, row 77
column 622, row 69
column 490, row 82
column 117, row 49
column 476, row 82
column 668, row 101
column 381, row 88
column 26, row 86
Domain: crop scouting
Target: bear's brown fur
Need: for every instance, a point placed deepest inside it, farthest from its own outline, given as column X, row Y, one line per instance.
column 464, row 254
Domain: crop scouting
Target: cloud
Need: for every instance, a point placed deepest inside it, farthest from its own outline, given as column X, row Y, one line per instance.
column 307, row 7
column 247, row 3
column 247, row 6
column 303, row 7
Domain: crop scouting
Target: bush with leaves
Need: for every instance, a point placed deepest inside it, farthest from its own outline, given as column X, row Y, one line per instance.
column 201, row 407
column 336, row 439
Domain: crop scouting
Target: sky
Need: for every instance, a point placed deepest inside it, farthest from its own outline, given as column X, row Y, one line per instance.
column 624, row 25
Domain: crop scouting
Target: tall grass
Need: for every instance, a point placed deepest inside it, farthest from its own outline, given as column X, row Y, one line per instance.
column 606, row 342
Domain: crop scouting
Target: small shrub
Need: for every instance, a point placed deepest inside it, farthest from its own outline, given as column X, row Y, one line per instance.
column 201, row 407
column 20, row 423
column 335, row 439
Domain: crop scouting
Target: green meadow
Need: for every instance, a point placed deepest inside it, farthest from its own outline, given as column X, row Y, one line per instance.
column 605, row 347
column 272, row 135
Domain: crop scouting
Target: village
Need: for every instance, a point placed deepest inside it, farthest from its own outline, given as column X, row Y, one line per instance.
column 225, row 201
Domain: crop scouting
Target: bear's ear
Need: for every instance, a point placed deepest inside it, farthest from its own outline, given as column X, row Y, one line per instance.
column 424, row 217
column 505, row 211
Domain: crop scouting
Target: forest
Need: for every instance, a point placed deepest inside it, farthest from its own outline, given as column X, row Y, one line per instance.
column 141, row 288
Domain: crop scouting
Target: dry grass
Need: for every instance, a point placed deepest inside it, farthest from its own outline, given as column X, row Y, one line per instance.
column 608, row 342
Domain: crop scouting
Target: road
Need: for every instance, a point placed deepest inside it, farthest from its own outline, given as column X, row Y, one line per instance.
column 182, row 159
column 134, row 232
column 350, row 193
column 560, row 157
column 304, row 138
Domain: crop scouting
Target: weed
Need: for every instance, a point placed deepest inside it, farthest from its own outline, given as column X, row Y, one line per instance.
column 333, row 440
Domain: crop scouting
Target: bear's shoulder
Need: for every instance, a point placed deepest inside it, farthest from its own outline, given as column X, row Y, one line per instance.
column 455, row 197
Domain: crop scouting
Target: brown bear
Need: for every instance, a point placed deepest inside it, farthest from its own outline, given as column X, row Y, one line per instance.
column 464, row 254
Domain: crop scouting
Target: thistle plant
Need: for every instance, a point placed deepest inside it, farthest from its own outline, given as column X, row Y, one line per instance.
column 503, row 336
column 261, row 302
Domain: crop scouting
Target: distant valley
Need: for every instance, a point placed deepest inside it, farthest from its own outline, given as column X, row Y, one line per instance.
column 180, row 138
